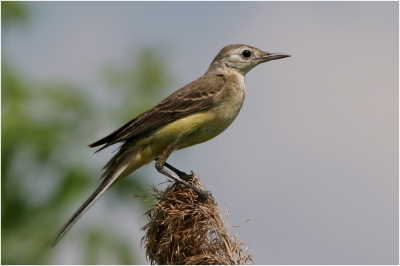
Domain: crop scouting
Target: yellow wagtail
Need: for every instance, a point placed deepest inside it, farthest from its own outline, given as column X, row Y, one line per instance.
column 193, row 114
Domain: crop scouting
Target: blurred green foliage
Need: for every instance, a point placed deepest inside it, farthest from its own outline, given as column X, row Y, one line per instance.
column 14, row 13
column 44, row 173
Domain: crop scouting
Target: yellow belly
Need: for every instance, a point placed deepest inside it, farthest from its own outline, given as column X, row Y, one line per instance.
column 187, row 131
column 192, row 130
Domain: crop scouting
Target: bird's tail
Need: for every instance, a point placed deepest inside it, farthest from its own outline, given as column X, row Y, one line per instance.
column 114, row 171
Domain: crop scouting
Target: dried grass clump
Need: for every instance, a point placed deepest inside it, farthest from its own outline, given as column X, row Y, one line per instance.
column 184, row 228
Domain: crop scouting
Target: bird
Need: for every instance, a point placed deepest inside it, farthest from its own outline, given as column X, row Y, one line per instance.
column 191, row 115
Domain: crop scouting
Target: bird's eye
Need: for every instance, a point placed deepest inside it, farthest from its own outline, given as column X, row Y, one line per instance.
column 246, row 54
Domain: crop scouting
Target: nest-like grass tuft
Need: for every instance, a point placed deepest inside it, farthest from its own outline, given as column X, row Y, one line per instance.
column 184, row 228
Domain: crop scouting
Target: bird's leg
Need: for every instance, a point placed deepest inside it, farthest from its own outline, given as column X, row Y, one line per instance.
column 161, row 162
column 181, row 174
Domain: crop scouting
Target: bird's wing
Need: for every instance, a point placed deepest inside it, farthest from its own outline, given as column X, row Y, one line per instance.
column 196, row 96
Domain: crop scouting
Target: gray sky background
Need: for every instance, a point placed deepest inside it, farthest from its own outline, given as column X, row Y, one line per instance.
column 312, row 159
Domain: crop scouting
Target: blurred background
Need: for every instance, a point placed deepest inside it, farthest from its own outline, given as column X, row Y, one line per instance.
column 312, row 159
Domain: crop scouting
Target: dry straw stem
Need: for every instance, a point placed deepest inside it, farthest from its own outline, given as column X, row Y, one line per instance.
column 184, row 228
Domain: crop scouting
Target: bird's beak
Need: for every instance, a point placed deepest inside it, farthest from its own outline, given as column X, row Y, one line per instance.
column 272, row 56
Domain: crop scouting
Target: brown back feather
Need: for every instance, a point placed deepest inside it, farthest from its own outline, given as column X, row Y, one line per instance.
column 194, row 97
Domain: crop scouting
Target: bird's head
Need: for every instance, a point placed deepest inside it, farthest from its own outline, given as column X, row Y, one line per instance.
column 241, row 58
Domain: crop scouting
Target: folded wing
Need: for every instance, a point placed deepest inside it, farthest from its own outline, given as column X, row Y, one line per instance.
column 192, row 98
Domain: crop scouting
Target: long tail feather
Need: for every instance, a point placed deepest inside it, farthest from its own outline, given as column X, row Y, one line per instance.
column 113, row 171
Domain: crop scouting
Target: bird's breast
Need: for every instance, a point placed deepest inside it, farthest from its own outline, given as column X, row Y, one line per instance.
column 208, row 124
